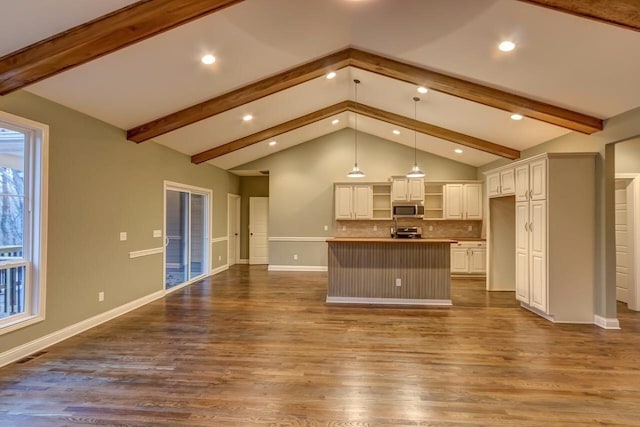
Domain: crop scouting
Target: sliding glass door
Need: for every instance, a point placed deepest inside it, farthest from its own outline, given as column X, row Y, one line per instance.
column 186, row 234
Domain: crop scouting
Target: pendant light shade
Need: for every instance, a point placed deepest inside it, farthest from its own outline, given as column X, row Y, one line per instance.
column 356, row 172
column 415, row 171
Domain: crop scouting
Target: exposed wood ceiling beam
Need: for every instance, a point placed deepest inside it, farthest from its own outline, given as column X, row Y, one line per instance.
column 238, row 97
column 622, row 13
column 359, row 108
column 377, row 64
column 99, row 37
column 307, row 119
column 475, row 92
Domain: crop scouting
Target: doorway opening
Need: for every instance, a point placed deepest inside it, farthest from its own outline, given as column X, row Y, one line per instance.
column 187, row 234
column 627, row 236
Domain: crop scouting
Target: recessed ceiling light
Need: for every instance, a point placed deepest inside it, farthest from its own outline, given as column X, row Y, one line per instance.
column 516, row 117
column 396, row 132
column 208, row 59
column 335, row 121
column 458, row 151
column 507, row 46
column 331, row 75
column 423, row 89
column 272, row 143
column 247, row 117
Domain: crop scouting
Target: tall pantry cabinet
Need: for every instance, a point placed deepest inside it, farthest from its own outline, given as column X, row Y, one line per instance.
column 555, row 214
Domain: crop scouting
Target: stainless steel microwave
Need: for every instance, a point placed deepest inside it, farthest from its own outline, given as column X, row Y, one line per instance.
column 406, row 210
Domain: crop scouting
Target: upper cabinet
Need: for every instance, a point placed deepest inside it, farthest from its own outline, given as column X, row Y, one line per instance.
column 531, row 181
column 407, row 189
column 353, row 201
column 501, row 183
column 463, row 201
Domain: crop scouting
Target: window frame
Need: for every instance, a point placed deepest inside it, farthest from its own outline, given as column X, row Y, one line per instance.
column 36, row 176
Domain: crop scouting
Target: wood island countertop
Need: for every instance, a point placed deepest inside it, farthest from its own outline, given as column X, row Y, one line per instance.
column 385, row 240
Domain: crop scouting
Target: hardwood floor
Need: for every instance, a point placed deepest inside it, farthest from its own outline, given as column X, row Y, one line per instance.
column 251, row 347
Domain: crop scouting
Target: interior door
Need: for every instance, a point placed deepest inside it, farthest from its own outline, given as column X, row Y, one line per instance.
column 258, row 221
column 622, row 242
column 233, row 216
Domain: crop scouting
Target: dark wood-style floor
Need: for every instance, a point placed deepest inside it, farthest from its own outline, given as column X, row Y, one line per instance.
column 251, row 347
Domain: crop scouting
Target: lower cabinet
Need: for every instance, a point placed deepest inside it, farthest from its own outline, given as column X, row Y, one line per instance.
column 469, row 258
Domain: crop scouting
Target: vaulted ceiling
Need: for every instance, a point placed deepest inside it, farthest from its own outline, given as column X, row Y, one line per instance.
column 136, row 65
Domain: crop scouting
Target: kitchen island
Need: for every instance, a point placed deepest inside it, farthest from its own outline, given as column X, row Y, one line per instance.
column 389, row 271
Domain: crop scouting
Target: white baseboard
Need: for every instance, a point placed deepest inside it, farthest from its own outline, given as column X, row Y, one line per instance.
column 243, row 261
column 606, row 323
column 389, row 301
column 41, row 343
column 297, row 268
column 219, row 269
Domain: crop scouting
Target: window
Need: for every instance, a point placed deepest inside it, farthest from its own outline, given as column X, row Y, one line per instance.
column 23, row 196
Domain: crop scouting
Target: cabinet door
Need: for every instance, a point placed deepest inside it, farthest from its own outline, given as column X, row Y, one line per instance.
column 522, row 252
column 399, row 190
column 538, row 180
column 416, row 189
column 454, row 201
column 363, row 201
column 507, row 182
column 538, row 254
column 477, row 260
column 472, row 201
column 493, row 185
column 522, row 183
column 459, row 260
column 344, row 202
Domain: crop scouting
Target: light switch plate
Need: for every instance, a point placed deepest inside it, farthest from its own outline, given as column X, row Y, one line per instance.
column 326, row 228
column 157, row 233
column 123, row 236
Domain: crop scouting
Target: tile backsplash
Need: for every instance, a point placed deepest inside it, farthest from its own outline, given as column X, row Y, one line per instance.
column 430, row 229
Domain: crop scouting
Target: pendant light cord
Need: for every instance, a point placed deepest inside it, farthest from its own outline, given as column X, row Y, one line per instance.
column 415, row 117
column 357, row 82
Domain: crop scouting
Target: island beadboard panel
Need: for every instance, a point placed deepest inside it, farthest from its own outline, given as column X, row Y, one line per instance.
column 368, row 272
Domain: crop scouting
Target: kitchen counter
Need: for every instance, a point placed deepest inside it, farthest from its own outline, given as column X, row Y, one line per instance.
column 386, row 240
column 389, row 271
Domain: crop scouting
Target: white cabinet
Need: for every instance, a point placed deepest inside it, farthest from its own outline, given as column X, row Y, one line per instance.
column 468, row 258
column 463, row 201
column 405, row 189
column 353, row 201
column 555, row 252
column 501, row 183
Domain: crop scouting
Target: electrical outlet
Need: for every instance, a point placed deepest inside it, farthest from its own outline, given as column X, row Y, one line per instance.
column 375, row 228
column 470, row 228
column 157, row 233
column 123, row 236
column 100, row 296
column 344, row 228
column 398, row 281
column 295, row 257
column 219, row 257
column 326, row 228
column 431, row 228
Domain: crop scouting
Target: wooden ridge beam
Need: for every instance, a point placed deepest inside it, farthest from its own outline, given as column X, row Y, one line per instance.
column 377, row 64
column 99, row 37
column 621, row 13
column 238, row 97
column 270, row 133
column 475, row 92
column 365, row 110
column 436, row 131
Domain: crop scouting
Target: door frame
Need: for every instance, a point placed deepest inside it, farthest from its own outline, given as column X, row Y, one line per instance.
column 633, row 212
column 233, row 198
column 208, row 193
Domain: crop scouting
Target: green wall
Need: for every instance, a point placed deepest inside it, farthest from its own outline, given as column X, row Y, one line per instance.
column 99, row 185
column 250, row 186
column 628, row 156
column 301, row 185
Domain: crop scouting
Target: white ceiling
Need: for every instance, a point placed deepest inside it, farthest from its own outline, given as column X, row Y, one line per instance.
column 564, row 60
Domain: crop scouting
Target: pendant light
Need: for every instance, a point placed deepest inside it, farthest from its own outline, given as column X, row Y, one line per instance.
column 415, row 171
column 356, row 172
